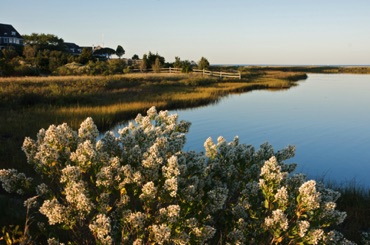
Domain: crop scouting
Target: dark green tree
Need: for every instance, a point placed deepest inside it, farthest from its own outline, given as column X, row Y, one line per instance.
column 57, row 59
column 85, row 56
column 186, row 66
column 203, row 63
column 42, row 61
column 105, row 52
column 177, row 63
column 9, row 53
column 135, row 57
column 44, row 41
column 152, row 57
column 120, row 51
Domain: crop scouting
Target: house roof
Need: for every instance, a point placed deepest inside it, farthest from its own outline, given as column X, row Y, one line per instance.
column 71, row 45
column 8, row 31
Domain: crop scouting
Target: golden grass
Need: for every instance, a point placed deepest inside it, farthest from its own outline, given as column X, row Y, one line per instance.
column 111, row 99
column 143, row 76
column 30, row 103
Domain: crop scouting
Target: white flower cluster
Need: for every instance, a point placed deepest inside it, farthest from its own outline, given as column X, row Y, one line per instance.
column 54, row 211
column 278, row 220
column 142, row 188
column 149, row 191
column 171, row 213
column 54, row 241
column 309, row 196
column 137, row 220
column 14, row 182
column 160, row 233
column 101, row 229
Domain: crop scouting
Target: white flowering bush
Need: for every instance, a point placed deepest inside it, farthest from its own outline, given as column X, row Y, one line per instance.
column 141, row 188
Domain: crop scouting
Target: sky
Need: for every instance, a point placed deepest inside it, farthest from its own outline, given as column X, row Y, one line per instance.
column 255, row 32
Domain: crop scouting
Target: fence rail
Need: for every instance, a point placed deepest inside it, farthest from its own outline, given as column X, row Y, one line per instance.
column 218, row 73
column 197, row 71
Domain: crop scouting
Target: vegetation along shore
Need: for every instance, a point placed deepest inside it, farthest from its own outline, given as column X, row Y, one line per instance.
column 30, row 103
column 48, row 86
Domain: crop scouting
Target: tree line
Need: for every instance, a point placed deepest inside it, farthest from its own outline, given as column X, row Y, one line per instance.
column 47, row 54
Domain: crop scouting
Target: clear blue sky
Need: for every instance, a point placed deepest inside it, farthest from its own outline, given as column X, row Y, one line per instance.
column 225, row 32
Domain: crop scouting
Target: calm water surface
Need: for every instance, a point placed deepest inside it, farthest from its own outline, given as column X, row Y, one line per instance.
column 327, row 118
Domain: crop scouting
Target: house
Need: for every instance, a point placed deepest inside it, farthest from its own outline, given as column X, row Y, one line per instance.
column 9, row 36
column 73, row 48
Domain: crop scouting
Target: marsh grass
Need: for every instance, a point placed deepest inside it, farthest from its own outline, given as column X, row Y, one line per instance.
column 355, row 201
column 29, row 104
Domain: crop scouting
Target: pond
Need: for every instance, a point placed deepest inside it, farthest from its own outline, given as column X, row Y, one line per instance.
column 327, row 118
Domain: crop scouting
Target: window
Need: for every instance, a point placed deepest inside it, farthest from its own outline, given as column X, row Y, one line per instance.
column 5, row 40
column 13, row 33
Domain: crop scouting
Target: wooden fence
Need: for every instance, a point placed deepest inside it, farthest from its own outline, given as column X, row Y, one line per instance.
column 197, row 71
column 218, row 73
column 204, row 72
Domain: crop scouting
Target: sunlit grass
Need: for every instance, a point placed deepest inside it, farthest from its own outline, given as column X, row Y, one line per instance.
column 30, row 103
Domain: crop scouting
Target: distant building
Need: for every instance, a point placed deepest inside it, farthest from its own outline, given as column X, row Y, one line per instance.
column 73, row 48
column 9, row 36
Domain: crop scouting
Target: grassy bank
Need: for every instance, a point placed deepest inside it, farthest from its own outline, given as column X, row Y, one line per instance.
column 30, row 103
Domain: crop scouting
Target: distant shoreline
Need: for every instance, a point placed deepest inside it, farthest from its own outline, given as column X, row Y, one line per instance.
column 285, row 65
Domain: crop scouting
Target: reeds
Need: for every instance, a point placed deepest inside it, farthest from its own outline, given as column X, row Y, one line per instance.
column 355, row 201
column 30, row 103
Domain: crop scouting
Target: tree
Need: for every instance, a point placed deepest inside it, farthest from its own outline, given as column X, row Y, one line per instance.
column 177, row 63
column 186, row 66
column 9, row 53
column 156, row 66
column 144, row 63
column 203, row 63
column 120, row 51
column 44, row 41
column 85, row 56
column 45, row 51
column 135, row 57
column 152, row 57
column 29, row 52
column 104, row 52
column 42, row 61
column 57, row 59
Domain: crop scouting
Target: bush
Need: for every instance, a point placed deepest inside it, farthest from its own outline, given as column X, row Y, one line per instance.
column 140, row 187
column 116, row 66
